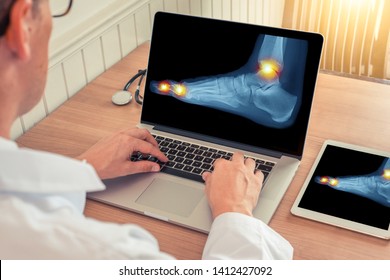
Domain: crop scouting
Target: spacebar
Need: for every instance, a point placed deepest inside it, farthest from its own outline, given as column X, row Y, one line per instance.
column 182, row 174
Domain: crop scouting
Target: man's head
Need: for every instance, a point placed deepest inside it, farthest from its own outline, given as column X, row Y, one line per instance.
column 25, row 27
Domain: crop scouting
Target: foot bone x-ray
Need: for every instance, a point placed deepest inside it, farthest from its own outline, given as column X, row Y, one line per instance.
column 375, row 186
column 266, row 90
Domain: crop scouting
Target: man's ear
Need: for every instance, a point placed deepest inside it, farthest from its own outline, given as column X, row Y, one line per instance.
column 18, row 33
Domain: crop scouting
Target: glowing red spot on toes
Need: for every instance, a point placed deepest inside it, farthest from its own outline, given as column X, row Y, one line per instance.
column 324, row 180
column 164, row 87
column 180, row 90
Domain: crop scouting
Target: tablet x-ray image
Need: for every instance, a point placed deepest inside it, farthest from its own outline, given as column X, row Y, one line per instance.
column 352, row 185
column 262, row 90
column 374, row 186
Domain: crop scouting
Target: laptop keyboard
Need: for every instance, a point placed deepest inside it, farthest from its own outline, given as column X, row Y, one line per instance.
column 191, row 160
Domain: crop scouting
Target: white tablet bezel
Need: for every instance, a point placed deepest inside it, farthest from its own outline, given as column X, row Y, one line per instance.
column 332, row 220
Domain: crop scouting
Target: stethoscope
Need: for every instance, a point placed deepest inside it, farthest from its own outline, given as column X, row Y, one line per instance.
column 124, row 97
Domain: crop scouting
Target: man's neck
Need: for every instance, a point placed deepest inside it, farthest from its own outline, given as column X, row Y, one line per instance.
column 5, row 128
column 8, row 115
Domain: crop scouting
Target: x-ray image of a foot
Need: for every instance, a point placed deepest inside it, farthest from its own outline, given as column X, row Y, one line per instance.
column 266, row 90
column 375, row 186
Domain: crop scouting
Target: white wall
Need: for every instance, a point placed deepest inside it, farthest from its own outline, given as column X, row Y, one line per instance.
column 98, row 33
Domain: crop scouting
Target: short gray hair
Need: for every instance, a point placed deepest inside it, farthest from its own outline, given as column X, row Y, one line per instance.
column 5, row 9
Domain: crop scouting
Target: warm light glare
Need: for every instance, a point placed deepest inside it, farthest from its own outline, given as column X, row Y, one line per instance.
column 357, row 37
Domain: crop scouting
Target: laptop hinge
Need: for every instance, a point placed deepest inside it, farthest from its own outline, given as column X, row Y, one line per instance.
column 219, row 141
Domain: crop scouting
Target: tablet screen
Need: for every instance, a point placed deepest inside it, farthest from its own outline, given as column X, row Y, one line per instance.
column 351, row 185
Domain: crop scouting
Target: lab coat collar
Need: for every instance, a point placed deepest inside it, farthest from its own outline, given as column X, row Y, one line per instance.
column 7, row 144
column 30, row 171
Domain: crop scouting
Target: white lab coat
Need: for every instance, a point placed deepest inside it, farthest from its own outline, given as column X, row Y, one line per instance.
column 42, row 198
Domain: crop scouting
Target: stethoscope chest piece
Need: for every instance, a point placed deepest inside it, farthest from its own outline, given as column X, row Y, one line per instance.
column 122, row 97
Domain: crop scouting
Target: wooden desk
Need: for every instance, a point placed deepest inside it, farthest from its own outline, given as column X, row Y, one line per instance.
column 344, row 109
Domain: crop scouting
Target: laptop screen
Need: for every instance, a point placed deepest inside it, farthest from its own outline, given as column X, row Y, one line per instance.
column 237, row 82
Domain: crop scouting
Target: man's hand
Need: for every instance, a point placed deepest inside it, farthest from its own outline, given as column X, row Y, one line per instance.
column 233, row 186
column 111, row 156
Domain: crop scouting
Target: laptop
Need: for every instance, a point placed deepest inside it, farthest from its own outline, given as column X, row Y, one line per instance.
column 215, row 87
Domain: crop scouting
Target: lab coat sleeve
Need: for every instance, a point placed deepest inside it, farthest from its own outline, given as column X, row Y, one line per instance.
column 237, row 236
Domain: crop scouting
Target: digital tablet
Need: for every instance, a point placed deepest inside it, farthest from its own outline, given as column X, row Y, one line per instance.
column 349, row 187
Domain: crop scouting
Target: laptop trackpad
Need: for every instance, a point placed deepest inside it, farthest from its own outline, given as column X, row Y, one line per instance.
column 172, row 197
